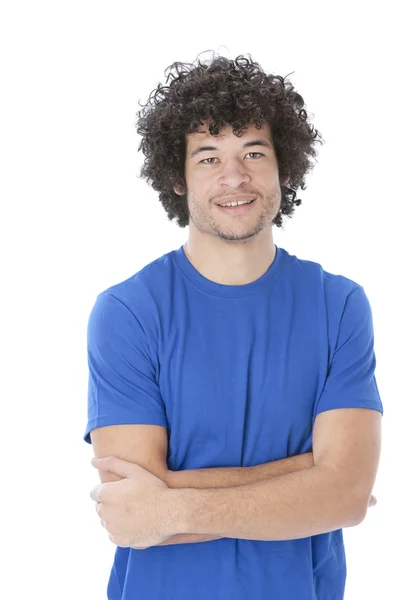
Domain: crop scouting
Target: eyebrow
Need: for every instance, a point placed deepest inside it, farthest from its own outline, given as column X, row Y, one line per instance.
column 246, row 145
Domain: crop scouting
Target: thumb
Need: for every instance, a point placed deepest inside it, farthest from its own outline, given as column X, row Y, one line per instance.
column 113, row 464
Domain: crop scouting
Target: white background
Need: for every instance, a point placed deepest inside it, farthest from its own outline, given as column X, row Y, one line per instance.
column 75, row 219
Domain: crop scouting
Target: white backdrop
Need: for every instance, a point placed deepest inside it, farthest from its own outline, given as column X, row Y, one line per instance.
column 76, row 219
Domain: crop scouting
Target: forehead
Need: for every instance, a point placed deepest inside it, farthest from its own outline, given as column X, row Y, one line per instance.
column 226, row 133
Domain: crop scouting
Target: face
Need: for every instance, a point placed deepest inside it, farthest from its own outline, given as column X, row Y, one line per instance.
column 220, row 168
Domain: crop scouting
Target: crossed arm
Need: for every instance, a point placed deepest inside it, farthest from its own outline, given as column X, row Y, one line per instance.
column 226, row 477
column 325, row 489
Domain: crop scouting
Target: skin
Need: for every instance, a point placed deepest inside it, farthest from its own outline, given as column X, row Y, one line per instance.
column 140, row 510
column 226, row 248
column 136, row 511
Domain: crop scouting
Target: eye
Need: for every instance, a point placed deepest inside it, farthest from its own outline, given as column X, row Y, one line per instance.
column 213, row 158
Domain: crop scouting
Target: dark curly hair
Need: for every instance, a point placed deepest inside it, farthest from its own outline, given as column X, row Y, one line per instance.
column 229, row 92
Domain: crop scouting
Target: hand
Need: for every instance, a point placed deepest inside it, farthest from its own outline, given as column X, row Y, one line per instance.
column 134, row 510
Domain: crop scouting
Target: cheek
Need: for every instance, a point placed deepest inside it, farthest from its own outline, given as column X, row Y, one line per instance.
column 202, row 192
column 200, row 184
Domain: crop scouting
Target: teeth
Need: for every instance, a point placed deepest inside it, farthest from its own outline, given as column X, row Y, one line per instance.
column 237, row 203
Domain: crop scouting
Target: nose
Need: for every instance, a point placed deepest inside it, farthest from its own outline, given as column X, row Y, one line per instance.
column 233, row 174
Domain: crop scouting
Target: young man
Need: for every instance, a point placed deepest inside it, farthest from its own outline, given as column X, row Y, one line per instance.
column 235, row 379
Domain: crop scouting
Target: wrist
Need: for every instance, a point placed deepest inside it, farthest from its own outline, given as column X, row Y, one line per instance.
column 179, row 506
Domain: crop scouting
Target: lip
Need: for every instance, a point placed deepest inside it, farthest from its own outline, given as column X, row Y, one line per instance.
column 235, row 199
column 238, row 210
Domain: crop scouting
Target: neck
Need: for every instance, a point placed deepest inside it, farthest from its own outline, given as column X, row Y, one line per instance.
column 231, row 263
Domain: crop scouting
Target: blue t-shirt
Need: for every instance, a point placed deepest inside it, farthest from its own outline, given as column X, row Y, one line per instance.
column 237, row 375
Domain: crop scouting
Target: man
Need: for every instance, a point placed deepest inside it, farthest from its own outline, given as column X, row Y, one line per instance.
column 235, row 380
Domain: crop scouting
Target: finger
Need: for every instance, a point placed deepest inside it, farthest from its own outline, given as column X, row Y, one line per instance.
column 95, row 492
column 113, row 464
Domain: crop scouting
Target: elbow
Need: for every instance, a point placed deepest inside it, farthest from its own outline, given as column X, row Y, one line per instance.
column 362, row 511
column 359, row 511
column 357, row 519
column 351, row 518
column 352, row 506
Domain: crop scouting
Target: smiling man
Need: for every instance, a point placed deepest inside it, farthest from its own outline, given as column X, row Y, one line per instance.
column 224, row 242
column 235, row 380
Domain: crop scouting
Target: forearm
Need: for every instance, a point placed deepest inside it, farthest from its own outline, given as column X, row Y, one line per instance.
column 296, row 505
column 221, row 477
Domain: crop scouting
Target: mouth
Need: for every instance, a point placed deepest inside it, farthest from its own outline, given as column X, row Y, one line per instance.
column 239, row 209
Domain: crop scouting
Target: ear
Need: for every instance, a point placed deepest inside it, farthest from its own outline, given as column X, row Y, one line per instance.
column 285, row 181
column 178, row 189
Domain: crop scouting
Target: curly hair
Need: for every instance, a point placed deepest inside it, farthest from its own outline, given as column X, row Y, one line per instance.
column 229, row 92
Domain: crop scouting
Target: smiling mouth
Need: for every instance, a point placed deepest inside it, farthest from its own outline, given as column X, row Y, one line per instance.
column 236, row 205
column 237, row 210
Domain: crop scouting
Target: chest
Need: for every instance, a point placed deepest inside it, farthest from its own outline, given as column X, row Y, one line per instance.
column 241, row 389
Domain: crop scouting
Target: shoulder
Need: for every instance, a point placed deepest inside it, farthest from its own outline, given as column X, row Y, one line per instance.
column 312, row 276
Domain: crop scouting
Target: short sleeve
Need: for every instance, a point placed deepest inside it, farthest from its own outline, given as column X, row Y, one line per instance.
column 351, row 381
column 122, row 387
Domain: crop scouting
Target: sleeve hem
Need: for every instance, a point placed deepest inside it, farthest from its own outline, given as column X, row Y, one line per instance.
column 104, row 421
column 366, row 404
